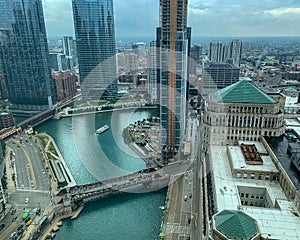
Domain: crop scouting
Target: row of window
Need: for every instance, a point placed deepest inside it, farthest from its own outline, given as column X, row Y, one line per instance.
column 256, row 176
column 252, row 196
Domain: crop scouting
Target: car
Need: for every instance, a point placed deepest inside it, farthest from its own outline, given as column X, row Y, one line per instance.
column 2, row 226
column 26, row 200
column 190, row 195
column 14, row 219
column 185, row 197
column 13, row 211
column 29, row 222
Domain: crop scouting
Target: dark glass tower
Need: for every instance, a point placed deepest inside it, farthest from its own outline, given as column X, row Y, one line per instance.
column 24, row 54
column 173, row 42
column 95, row 39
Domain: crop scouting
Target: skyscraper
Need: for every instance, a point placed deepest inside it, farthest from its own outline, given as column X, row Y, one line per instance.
column 24, row 54
column 152, row 71
column 216, row 51
column 95, row 39
column 236, row 52
column 173, row 40
column 229, row 52
column 69, row 51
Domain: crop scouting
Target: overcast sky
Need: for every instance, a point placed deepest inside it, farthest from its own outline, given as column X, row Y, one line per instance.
column 206, row 17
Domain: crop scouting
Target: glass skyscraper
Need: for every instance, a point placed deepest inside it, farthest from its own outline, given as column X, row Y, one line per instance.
column 173, row 42
column 95, row 39
column 24, row 54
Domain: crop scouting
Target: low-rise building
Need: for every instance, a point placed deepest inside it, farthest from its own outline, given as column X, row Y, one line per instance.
column 242, row 111
column 256, row 186
column 6, row 120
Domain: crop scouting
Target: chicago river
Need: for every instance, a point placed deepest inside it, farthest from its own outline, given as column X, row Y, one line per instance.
column 91, row 158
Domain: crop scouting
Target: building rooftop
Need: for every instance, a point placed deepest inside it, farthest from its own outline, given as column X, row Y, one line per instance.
column 235, row 224
column 275, row 222
column 279, row 147
column 240, row 163
column 242, row 92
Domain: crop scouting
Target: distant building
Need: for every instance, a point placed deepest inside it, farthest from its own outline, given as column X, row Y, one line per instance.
column 216, row 52
column 65, row 83
column 96, row 49
column 152, row 71
column 139, row 49
column 132, row 62
column 6, row 120
column 216, row 76
column 236, row 52
column 242, row 111
column 229, row 52
column 24, row 55
column 69, row 51
column 57, row 61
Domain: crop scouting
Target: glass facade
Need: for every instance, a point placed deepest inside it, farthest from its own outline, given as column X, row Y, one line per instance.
column 95, row 39
column 173, row 41
column 24, row 54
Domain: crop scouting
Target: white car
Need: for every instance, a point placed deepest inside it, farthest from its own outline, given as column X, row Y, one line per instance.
column 26, row 200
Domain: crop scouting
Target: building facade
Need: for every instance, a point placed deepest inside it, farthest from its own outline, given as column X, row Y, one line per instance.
column 242, row 112
column 69, row 51
column 65, row 83
column 24, row 54
column 173, row 42
column 216, row 51
column 6, row 120
column 95, row 40
column 57, row 61
column 227, row 52
column 218, row 75
column 152, row 72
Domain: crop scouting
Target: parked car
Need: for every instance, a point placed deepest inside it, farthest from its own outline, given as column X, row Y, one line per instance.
column 2, row 226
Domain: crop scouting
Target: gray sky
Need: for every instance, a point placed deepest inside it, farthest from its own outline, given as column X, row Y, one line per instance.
column 206, row 17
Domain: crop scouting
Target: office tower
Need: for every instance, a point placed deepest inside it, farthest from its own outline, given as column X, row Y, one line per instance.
column 95, row 40
column 24, row 54
column 236, row 52
column 217, row 76
column 173, row 40
column 69, row 51
column 152, row 72
column 216, row 51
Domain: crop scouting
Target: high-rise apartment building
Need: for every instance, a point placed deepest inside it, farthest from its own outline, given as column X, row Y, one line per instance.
column 173, row 41
column 236, row 52
column 57, row 61
column 216, row 52
column 229, row 52
column 152, row 71
column 24, row 54
column 69, row 51
column 95, row 40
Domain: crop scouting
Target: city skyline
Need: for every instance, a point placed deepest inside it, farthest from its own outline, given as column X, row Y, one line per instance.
column 274, row 18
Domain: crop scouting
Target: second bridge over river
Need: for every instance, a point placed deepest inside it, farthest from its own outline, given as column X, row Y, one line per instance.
column 146, row 180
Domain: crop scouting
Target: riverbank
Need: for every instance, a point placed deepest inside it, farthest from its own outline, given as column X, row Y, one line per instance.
column 94, row 111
